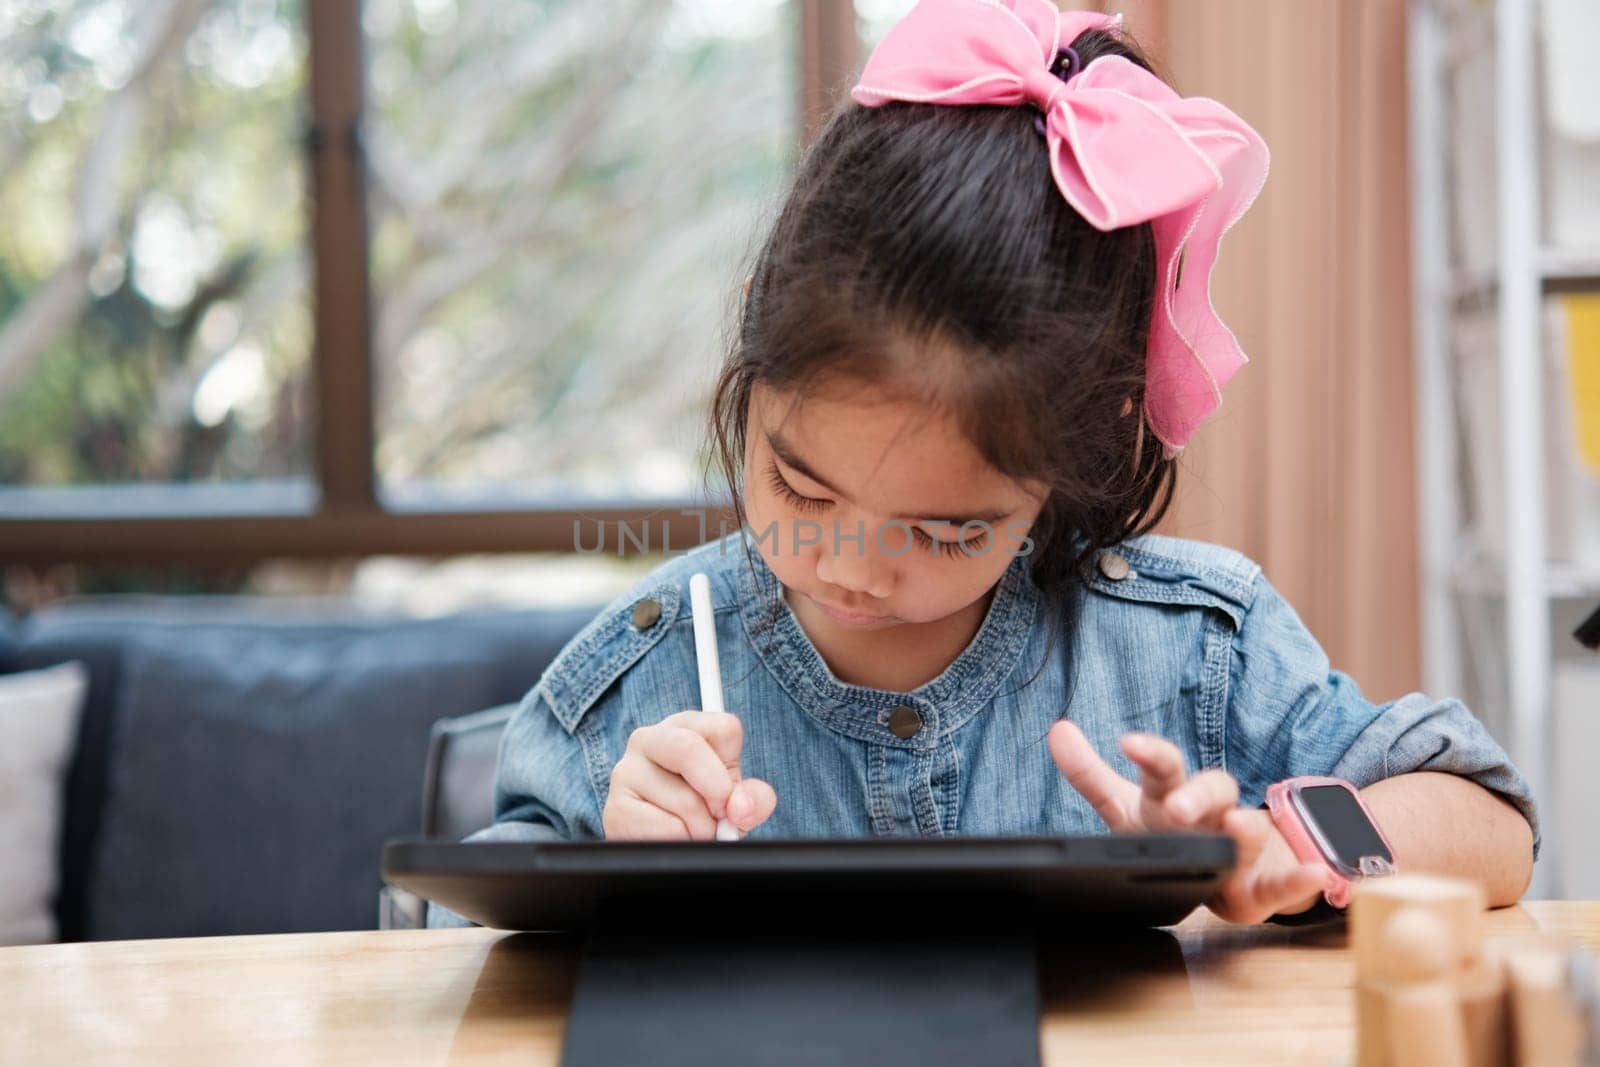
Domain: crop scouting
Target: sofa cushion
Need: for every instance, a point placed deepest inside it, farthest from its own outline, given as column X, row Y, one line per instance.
column 239, row 768
column 38, row 720
column 100, row 651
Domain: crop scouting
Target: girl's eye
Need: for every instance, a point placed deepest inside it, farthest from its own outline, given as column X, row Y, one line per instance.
column 947, row 549
column 951, row 549
column 784, row 489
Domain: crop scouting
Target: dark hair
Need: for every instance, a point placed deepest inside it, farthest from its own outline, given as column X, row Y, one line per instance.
column 928, row 247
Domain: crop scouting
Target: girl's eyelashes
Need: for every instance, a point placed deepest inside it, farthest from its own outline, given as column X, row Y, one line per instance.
column 947, row 549
column 782, row 487
column 951, row 549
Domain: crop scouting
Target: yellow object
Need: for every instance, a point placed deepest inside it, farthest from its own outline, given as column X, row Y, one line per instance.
column 1583, row 361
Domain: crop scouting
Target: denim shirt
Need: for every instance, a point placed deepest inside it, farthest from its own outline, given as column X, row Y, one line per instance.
column 1187, row 640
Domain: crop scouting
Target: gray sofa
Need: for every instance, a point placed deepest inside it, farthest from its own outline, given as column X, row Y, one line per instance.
column 241, row 761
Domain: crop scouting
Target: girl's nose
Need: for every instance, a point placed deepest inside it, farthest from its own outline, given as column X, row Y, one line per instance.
column 858, row 566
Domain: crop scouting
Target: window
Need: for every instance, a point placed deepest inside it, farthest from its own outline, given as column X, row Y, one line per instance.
column 563, row 195
column 155, row 318
column 342, row 278
column 876, row 16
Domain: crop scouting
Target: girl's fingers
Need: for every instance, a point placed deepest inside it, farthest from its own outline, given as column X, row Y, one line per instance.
column 1203, row 800
column 1248, row 833
column 1113, row 796
column 1293, row 886
column 723, row 732
column 688, row 754
column 1272, row 891
column 629, row 818
column 1261, row 886
column 752, row 803
column 671, row 793
column 1160, row 763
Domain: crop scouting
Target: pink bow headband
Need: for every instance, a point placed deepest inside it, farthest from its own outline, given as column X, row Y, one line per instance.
column 1124, row 149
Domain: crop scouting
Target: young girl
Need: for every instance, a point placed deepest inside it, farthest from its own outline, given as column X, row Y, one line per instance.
column 972, row 346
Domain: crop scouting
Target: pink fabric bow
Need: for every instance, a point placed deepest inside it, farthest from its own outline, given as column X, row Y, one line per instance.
column 1124, row 149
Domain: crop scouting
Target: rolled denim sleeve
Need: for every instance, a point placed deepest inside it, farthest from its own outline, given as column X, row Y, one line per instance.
column 1290, row 713
column 543, row 791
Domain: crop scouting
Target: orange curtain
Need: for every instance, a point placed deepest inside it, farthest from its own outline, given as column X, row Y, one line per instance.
column 1308, row 466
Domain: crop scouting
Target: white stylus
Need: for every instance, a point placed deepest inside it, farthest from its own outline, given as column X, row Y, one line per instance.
column 705, row 656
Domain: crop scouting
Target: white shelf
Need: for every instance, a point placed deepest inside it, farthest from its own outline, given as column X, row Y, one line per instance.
column 1513, row 662
column 1570, row 582
column 1561, row 264
column 1558, row 267
column 1563, row 581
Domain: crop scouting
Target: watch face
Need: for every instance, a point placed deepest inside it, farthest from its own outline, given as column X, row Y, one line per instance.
column 1339, row 823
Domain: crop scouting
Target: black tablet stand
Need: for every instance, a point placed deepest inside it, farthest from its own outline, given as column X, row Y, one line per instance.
column 795, row 985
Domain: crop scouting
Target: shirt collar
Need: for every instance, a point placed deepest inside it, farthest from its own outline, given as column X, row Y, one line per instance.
column 964, row 688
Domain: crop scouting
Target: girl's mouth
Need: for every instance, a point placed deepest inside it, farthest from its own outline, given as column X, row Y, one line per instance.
column 849, row 618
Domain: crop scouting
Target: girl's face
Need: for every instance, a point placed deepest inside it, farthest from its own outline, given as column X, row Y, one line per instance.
column 858, row 503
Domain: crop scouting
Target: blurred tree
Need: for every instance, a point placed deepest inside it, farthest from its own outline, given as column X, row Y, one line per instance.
column 554, row 264
column 561, row 194
column 154, row 323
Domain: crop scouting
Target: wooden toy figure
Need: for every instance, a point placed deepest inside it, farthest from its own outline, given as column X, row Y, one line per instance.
column 1425, row 991
column 1430, row 990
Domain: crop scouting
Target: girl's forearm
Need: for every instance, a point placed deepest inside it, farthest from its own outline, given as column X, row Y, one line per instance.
column 1446, row 824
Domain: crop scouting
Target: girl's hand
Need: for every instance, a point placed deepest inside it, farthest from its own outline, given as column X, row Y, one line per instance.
column 678, row 777
column 1268, row 879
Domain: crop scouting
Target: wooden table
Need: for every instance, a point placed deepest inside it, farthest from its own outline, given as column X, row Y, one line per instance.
column 1203, row 992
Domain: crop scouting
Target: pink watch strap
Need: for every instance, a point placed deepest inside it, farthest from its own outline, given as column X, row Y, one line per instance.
column 1287, row 819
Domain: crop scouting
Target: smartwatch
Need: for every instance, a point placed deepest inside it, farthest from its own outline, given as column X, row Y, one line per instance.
column 1326, row 821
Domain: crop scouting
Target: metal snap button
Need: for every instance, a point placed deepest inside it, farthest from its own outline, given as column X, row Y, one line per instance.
column 645, row 613
column 1114, row 566
column 904, row 722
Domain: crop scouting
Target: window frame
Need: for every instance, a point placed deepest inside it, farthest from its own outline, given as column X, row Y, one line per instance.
column 348, row 517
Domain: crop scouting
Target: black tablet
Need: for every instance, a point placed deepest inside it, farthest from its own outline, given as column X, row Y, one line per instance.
column 1125, row 879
